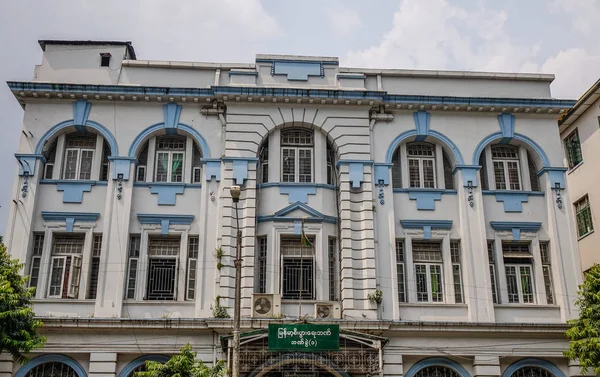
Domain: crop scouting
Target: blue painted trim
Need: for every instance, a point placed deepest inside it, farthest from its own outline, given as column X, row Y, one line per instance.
column 286, row 92
column 422, row 120
column 145, row 134
column 165, row 220
column 425, row 200
column 22, row 372
column 73, row 191
column 122, row 165
column 71, row 181
column 167, row 194
column 351, row 76
column 27, row 163
column 62, row 216
column 555, row 175
column 509, row 192
column 346, row 162
column 297, row 71
column 325, row 219
column 326, row 62
column 248, row 159
column 140, row 361
column 434, row 224
column 298, row 193
column 433, row 361
column 297, row 227
column 114, row 158
column 186, row 185
column 513, row 201
column 298, row 206
column 438, row 135
column 81, row 112
column 356, row 174
column 382, row 173
column 294, row 184
column 240, row 171
column 469, row 174
column 510, row 225
column 409, row 190
column 212, row 169
column 531, row 362
column 106, row 134
column 462, row 167
column 243, row 73
column 498, row 136
column 507, row 126
column 171, row 114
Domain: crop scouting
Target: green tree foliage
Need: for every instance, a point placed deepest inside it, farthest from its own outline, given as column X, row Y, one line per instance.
column 18, row 327
column 184, row 364
column 584, row 332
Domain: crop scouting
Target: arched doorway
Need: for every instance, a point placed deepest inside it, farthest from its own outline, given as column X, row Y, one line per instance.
column 298, row 364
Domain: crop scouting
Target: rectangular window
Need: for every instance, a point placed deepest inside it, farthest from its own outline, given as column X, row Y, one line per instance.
column 296, row 155
column 331, row 174
column 65, row 265
column 428, row 275
column 134, row 254
column 492, row 261
column 519, row 278
column 48, row 170
column 583, row 214
column 298, row 269
column 193, row 247
column 400, row 273
column 36, row 259
column 262, row 264
column 288, row 165
column 78, row 163
column 140, row 175
column 105, row 59
column 456, row 273
column 163, row 255
column 332, row 270
column 547, row 271
column 263, row 168
column 169, row 166
column 95, row 266
column 573, row 149
column 506, row 167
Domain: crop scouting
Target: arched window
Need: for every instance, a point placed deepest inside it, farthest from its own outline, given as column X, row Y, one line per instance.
column 448, row 177
column 52, row 369
column 396, row 169
column 535, row 182
column 507, row 174
column 532, row 371
column 437, row 371
column 142, row 163
column 263, row 165
column 421, row 165
column 50, row 155
column 297, row 155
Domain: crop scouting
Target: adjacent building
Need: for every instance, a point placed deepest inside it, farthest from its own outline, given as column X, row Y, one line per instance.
column 440, row 237
column 580, row 141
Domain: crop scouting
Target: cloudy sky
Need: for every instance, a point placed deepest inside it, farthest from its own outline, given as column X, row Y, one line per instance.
column 551, row 36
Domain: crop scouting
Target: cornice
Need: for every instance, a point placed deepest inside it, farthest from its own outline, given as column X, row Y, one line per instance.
column 27, row 91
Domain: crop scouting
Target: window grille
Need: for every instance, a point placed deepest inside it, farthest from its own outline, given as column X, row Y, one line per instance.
column 162, row 278
column 492, row 260
column 547, row 271
column 52, row 369
column 573, row 147
column 163, row 246
column 424, row 251
column 298, row 268
column 76, row 140
column 193, row 247
column 331, row 256
column 456, row 271
column 584, row 216
column 134, row 254
column 170, row 143
column 297, row 137
column 532, row 371
column 262, row 264
column 95, row 266
column 437, row 371
column 68, row 244
column 506, row 167
column 420, row 150
column 400, row 271
column 263, row 156
column 36, row 259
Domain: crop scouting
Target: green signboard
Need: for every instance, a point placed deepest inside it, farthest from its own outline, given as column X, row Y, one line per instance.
column 304, row 337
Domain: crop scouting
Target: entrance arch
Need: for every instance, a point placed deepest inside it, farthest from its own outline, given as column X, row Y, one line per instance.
column 290, row 361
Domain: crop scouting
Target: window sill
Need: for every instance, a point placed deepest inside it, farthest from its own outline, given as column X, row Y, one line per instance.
column 72, row 182
column 160, row 302
column 513, row 192
column 585, row 235
column 574, row 167
column 415, row 189
column 63, row 300
column 526, row 306
column 296, row 184
column 431, row 304
column 171, row 184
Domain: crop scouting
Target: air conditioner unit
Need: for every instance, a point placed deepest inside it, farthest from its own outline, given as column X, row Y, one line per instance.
column 329, row 310
column 266, row 305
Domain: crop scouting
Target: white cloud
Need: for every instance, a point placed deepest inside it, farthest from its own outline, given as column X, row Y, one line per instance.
column 344, row 21
column 575, row 72
column 438, row 35
column 585, row 14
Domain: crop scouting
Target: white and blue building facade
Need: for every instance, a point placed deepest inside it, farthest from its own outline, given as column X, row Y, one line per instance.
column 441, row 192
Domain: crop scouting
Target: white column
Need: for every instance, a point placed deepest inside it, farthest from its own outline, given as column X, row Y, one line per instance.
column 524, row 167
column 103, row 364
column 187, row 162
column 6, row 365
column 538, row 273
column 409, row 271
column 501, row 273
column 45, row 265
column 183, row 266
column 274, row 156
column 404, row 166
column 447, row 271
column 143, row 263
column 439, row 167
column 97, row 160
column 392, row 363
column 60, row 154
column 486, row 366
column 85, row 263
column 151, row 158
column 490, row 168
column 319, row 158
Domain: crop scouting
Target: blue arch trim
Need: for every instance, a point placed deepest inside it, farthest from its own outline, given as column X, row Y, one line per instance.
column 50, row 358
column 437, row 361
column 438, row 135
column 108, row 136
column 159, row 126
column 498, row 135
column 533, row 362
column 141, row 360
column 433, row 361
